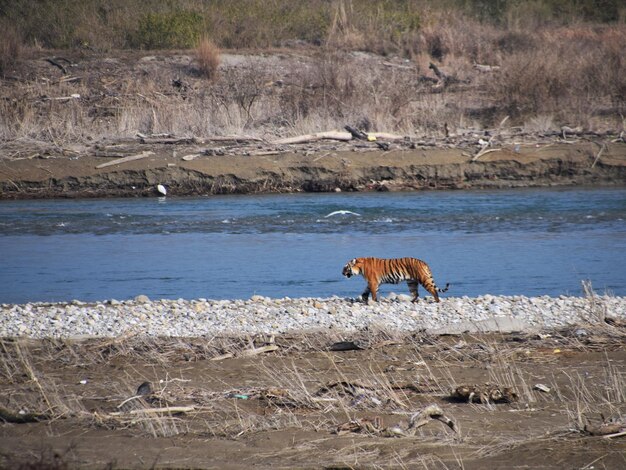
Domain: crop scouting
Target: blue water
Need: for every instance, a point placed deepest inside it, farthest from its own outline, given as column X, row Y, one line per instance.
column 505, row 242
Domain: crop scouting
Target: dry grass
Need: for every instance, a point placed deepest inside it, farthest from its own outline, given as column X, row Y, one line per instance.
column 572, row 76
column 208, row 57
column 559, row 72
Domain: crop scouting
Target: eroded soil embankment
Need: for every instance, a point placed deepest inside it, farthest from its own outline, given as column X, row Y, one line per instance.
column 182, row 181
column 293, row 172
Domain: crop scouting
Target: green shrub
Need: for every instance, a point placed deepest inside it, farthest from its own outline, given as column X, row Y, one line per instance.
column 176, row 29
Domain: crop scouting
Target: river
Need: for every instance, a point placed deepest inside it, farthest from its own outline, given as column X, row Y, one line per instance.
column 506, row 242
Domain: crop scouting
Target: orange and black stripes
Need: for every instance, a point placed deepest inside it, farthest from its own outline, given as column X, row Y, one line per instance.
column 378, row 271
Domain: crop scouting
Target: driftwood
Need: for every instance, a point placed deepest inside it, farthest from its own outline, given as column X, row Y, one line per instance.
column 440, row 75
column 386, row 136
column 166, row 409
column 301, row 139
column 483, row 151
column 374, row 426
column 430, row 412
column 263, row 153
column 602, row 148
column 234, row 138
column 620, row 138
column 130, row 158
column 167, row 140
column 247, row 352
column 55, row 61
column 356, row 133
column 443, row 80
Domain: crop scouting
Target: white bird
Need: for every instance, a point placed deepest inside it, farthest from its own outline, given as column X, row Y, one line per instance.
column 161, row 189
column 342, row 213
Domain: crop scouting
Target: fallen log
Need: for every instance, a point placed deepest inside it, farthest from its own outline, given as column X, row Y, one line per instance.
column 130, row 158
column 168, row 140
column 233, row 138
column 385, row 136
column 356, row 133
column 301, row 139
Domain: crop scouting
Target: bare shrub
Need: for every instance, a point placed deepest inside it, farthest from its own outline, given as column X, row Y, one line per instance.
column 575, row 73
column 10, row 49
column 208, row 57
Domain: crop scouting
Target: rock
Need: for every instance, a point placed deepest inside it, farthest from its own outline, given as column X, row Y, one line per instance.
column 261, row 315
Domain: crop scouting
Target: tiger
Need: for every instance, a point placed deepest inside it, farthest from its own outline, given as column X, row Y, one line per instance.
column 378, row 271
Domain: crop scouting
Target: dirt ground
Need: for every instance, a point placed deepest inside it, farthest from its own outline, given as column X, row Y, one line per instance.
column 317, row 401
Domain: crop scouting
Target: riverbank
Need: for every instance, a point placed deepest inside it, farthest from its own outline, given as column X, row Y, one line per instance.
column 207, row 168
column 120, row 124
column 263, row 315
column 340, row 395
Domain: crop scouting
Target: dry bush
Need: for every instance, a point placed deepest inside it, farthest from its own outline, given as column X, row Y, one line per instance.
column 208, row 57
column 450, row 34
column 10, row 49
column 380, row 27
column 573, row 75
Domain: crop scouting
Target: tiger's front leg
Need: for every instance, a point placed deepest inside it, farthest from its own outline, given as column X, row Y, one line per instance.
column 372, row 288
column 366, row 295
column 413, row 289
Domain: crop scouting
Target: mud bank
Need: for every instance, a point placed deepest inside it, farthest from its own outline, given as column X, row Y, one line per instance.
column 201, row 170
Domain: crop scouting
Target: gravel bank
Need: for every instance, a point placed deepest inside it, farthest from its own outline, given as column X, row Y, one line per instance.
column 186, row 318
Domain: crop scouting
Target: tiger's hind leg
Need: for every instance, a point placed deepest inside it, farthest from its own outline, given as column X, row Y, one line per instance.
column 413, row 285
column 430, row 287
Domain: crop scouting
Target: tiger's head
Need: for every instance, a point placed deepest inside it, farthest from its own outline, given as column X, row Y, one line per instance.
column 352, row 268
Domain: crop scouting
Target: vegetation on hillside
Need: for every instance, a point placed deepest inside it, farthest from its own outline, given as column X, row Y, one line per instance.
column 541, row 63
column 387, row 25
